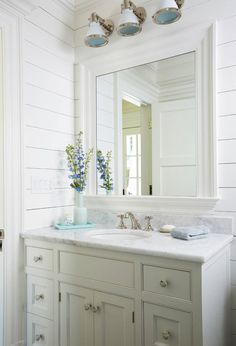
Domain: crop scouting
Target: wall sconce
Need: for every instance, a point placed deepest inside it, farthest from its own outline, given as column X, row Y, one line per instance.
column 131, row 19
column 168, row 12
column 99, row 31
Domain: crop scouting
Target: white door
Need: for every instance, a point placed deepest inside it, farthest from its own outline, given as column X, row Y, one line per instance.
column 166, row 327
column 174, row 147
column 76, row 316
column 1, row 196
column 113, row 320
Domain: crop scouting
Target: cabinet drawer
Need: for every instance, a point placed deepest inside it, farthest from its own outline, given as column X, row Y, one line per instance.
column 164, row 326
column 96, row 268
column 39, row 258
column 40, row 296
column 168, row 282
column 39, row 331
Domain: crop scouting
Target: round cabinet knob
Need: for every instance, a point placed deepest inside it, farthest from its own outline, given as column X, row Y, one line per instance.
column 39, row 297
column 39, row 337
column 166, row 334
column 163, row 283
column 87, row 307
column 96, row 309
column 38, row 258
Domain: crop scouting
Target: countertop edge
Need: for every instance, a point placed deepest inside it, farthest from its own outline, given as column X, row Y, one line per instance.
column 114, row 247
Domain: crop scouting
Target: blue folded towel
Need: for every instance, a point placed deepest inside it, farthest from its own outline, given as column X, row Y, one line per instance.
column 190, row 233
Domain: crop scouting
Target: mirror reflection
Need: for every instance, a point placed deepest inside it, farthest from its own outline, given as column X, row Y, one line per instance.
column 147, row 129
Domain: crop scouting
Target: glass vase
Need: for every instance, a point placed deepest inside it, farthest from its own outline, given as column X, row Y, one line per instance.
column 80, row 212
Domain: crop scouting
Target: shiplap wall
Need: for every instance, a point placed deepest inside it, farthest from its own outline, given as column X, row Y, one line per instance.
column 105, row 119
column 226, row 88
column 48, row 114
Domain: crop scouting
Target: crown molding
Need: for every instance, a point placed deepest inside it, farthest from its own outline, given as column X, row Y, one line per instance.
column 75, row 6
column 86, row 5
column 24, row 7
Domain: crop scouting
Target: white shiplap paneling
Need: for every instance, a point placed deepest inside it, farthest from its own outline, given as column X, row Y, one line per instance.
column 48, row 115
column 226, row 134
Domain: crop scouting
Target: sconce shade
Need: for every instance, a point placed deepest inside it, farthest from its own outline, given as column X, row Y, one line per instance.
column 167, row 12
column 129, row 24
column 96, row 36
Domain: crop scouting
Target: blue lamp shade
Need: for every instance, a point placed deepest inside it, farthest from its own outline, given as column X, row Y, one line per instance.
column 128, row 24
column 167, row 12
column 96, row 36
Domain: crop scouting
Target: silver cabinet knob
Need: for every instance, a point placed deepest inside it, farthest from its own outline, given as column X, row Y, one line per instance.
column 39, row 337
column 39, row 297
column 87, row 307
column 96, row 309
column 163, row 283
column 166, row 334
column 38, row 258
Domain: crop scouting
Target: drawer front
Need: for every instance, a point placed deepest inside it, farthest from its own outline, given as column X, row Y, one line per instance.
column 40, row 296
column 164, row 326
column 96, row 268
column 39, row 331
column 168, row 282
column 39, row 258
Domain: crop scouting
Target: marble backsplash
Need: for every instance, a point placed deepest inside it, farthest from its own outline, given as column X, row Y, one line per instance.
column 108, row 219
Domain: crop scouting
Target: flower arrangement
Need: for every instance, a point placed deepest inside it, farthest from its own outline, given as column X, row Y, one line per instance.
column 104, row 168
column 78, row 163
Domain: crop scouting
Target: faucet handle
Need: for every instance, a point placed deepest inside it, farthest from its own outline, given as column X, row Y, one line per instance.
column 148, row 227
column 121, row 224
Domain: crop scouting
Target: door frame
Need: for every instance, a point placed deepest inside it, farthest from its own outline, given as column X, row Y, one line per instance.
column 11, row 25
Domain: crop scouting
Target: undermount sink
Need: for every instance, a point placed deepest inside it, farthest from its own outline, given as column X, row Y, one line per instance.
column 119, row 235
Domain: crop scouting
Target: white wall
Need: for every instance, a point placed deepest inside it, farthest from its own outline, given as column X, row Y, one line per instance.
column 105, row 118
column 48, row 114
column 226, row 88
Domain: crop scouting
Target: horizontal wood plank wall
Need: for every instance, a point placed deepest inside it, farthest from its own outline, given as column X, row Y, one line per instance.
column 48, row 115
column 226, row 88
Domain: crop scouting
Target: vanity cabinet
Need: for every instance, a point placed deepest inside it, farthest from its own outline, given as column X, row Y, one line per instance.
column 90, row 318
column 82, row 296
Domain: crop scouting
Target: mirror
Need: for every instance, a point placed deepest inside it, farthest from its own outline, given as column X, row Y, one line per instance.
column 147, row 123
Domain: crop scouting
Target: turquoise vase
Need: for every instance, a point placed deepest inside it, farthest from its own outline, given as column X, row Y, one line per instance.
column 80, row 212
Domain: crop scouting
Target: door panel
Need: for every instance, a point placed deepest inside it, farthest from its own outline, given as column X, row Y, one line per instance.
column 113, row 321
column 166, row 327
column 175, row 155
column 76, row 323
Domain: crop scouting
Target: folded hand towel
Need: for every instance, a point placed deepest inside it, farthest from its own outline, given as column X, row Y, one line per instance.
column 190, row 233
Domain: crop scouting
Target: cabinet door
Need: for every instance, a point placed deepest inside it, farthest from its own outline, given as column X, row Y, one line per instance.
column 113, row 320
column 166, row 327
column 76, row 318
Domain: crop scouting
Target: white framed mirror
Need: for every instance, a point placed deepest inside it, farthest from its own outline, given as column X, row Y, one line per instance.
column 188, row 177
column 147, row 120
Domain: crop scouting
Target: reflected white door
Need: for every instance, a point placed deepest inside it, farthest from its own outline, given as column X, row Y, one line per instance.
column 174, row 148
column 1, row 197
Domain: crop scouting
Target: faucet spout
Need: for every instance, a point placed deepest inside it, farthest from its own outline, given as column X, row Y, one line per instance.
column 134, row 222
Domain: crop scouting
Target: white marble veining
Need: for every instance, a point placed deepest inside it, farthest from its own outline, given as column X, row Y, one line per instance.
column 216, row 224
column 157, row 244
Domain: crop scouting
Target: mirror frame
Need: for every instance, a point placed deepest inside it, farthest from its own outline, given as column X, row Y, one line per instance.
column 203, row 42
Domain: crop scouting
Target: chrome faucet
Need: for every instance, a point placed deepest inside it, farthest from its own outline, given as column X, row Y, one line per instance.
column 134, row 222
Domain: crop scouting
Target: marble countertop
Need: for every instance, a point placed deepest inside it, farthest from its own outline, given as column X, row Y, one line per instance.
column 154, row 244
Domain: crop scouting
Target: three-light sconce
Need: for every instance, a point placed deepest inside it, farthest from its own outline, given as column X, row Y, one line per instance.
column 130, row 21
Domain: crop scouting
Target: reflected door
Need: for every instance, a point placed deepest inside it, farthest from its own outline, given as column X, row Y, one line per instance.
column 132, row 162
column 1, row 198
column 174, row 136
